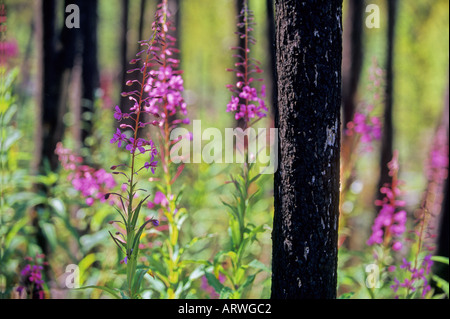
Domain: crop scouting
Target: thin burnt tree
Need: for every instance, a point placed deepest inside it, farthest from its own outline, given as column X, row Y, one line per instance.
column 306, row 189
column 387, row 148
column 90, row 69
column 272, row 53
column 352, row 57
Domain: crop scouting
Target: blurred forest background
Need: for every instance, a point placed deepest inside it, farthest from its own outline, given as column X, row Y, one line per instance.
column 65, row 89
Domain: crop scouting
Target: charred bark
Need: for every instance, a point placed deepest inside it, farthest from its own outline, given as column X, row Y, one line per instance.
column 306, row 189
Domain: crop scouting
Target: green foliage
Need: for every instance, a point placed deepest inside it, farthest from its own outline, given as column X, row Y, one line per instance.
column 232, row 263
column 231, row 251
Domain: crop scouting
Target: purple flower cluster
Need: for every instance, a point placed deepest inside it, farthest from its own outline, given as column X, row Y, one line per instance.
column 31, row 279
column 143, row 107
column 368, row 127
column 165, row 90
column 417, row 279
column 437, row 172
column 91, row 183
column 365, row 125
column 165, row 85
column 132, row 144
column 390, row 224
column 247, row 102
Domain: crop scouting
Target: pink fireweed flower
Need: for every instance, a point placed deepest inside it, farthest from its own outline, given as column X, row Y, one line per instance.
column 165, row 86
column 92, row 183
column 31, row 279
column 138, row 116
column 152, row 164
column 247, row 102
column 159, row 199
column 367, row 127
column 436, row 172
column 390, row 224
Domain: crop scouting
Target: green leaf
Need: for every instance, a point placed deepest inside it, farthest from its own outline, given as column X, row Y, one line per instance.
column 226, row 293
column 440, row 259
column 140, row 273
column 136, row 212
column 138, row 235
column 259, row 265
column 13, row 137
column 16, row 227
column 254, row 178
column 441, row 283
column 84, row 264
column 214, row 282
column 50, row 233
column 247, row 282
column 233, row 210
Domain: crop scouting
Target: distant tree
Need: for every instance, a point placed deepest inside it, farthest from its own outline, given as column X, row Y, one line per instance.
column 306, row 189
column 57, row 51
column 388, row 127
column 272, row 53
column 352, row 57
column 90, row 69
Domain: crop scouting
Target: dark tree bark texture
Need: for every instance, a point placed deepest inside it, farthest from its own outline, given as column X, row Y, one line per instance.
column 309, row 55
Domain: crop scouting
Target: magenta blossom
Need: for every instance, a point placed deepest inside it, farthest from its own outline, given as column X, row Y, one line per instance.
column 159, row 199
column 152, row 164
column 368, row 127
column 247, row 102
column 92, row 183
column 390, row 224
column 31, row 279
column 165, row 86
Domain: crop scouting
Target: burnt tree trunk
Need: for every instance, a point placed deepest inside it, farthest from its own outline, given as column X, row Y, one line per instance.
column 387, row 151
column 90, row 71
column 272, row 54
column 306, row 190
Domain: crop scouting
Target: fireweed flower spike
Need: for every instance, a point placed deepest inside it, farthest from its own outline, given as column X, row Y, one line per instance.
column 164, row 97
column 246, row 102
column 416, row 274
column 128, row 234
column 390, row 224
